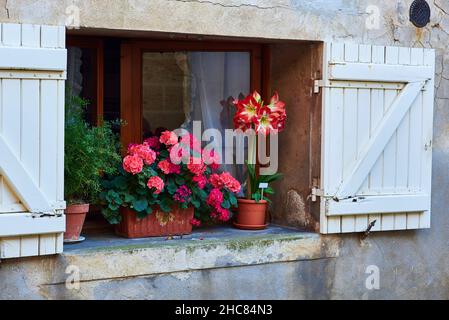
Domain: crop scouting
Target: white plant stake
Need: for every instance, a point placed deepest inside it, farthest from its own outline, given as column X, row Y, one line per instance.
column 263, row 186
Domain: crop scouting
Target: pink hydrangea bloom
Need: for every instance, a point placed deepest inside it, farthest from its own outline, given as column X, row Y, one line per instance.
column 156, row 183
column 169, row 138
column 133, row 164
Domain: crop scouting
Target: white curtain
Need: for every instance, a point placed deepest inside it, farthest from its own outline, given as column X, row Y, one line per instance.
column 216, row 77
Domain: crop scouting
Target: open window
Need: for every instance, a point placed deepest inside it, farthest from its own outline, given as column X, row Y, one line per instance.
column 356, row 149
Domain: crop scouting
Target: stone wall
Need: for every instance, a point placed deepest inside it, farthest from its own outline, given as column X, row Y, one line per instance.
column 412, row 264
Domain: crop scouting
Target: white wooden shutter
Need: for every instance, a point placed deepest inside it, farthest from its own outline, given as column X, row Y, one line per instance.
column 377, row 137
column 32, row 71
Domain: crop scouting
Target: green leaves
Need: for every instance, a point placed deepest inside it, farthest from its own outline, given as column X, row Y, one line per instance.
column 255, row 181
column 165, row 205
column 90, row 152
column 140, row 205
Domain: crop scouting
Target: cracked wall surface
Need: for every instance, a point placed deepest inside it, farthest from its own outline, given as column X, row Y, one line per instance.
column 412, row 264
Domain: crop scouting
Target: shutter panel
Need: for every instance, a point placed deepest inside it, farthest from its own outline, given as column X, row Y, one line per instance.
column 32, row 78
column 377, row 137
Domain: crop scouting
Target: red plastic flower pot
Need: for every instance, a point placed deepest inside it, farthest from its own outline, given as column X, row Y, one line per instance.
column 75, row 216
column 157, row 224
column 251, row 215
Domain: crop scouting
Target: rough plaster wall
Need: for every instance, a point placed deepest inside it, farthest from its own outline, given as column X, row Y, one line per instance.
column 413, row 264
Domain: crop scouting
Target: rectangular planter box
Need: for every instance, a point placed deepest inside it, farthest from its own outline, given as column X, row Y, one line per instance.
column 157, row 224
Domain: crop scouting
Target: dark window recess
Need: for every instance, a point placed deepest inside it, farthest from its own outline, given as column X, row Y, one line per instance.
column 112, row 80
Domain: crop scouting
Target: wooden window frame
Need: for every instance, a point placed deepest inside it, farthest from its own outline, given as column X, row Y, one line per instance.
column 131, row 74
column 96, row 44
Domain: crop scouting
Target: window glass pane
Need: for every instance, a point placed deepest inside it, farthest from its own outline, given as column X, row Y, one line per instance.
column 180, row 87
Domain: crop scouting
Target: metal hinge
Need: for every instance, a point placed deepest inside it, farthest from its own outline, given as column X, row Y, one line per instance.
column 317, row 84
column 316, row 191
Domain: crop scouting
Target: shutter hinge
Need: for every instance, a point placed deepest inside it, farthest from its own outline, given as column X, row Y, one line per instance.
column 317, row 84
column 316, row 191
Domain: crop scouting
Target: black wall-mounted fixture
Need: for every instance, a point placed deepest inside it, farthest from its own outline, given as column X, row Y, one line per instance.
column 420, row 13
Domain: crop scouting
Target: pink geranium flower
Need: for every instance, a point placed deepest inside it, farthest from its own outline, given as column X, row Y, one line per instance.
column 182, row 194
column 144, row 152
column 197, row 169
column 195, row 222
column 201, row 181
column 225, row 180
column 156, row 183
column 153, row 143
column 164, row 166
column 169, row 138
column 215, row 198
column 133, row 164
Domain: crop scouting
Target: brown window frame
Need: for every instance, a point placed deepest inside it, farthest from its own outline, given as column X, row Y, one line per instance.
column 131, row 74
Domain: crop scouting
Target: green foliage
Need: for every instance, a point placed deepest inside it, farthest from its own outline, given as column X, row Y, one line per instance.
column 255, row 180
column 181, row 186
column 90, row 152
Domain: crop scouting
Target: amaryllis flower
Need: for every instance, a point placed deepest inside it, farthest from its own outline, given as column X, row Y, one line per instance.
column 252, row 113
column 276, row 105
column 266, row 122
column 248, row 108
column 133, row 164
column 168, row 138
column 156, row 183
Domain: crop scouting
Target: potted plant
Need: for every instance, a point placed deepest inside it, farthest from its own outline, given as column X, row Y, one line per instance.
column 166, row 185
column 89, row 153
column 263, row 119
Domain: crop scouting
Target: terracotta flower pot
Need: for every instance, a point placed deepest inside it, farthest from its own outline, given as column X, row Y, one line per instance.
column 251, row 215
column 75, row 216
column 157, row 224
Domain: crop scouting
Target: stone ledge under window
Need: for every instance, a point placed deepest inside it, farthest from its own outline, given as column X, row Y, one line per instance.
column 108, row 257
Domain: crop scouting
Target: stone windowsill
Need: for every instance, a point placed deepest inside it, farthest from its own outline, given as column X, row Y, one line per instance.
column 107, row 256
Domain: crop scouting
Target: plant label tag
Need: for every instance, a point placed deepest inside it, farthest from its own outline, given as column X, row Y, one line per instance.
column 263, row 185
